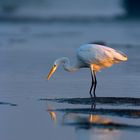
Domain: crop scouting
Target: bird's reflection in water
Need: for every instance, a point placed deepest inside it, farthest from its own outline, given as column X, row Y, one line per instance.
column 98, row 119
column 90, row 120
column 52, row 114
column 87, row 121
column 98, row 126
column 94, row 121
column 78, row 118
column 95, row 124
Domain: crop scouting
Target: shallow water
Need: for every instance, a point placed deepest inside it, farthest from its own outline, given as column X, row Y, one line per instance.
column 27, row 52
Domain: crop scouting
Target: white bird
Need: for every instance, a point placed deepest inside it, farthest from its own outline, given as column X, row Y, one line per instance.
column 94, row 56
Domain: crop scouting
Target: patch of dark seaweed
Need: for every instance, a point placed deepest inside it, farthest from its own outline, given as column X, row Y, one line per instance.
column 99, row 100
column 7, row 103
column 109, row 126
column 127, row 113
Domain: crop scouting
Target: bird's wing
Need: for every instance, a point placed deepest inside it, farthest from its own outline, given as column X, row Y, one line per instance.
column 99, row 55
column 88, row 54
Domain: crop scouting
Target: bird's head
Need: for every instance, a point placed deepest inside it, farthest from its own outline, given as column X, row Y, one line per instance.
column 58, row 62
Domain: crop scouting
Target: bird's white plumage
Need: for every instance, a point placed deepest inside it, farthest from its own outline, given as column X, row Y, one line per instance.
column 99, row 56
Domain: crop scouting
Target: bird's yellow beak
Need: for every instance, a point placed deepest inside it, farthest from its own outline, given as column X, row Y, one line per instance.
column 51, row 71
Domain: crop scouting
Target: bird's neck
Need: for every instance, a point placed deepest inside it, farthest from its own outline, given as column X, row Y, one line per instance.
column 67, row 66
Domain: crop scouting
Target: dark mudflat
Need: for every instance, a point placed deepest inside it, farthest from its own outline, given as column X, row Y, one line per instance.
column 99, row 100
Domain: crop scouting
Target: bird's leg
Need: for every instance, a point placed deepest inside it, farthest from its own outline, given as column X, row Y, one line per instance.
column 95, row 84
column 92, row 83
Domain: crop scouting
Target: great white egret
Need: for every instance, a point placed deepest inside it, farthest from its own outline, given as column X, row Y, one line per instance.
column 94, row 56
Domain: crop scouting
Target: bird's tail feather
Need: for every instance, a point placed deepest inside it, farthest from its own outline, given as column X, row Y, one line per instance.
column 120, row 56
